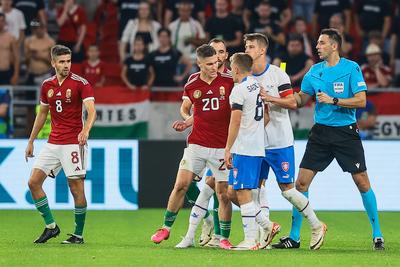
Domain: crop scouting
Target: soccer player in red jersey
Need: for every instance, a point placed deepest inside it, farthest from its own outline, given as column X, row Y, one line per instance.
column 207, row 92
column 62, row 95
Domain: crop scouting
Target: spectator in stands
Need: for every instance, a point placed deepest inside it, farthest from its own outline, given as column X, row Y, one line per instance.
column 37, row 54
column 51, row 15
column 172, row 11
column 32, row 10
column 297, row 62
column 9, row 55
column 300, row 27
column 303, row 8
column 137, row 71
column 186, row 32
column 224, row 26
column 395, row 50
column 71, row 18
column 5, row 102
column 237, row 11
column 128, row 10
column 376, row 74
column 93, row 67
column 280, row 12
column 266, row 25
column 375, row 37
column 372, row 15
column 325, row 9
column 166, row 60
column 336, row 22
column 366, row 120
column 143, row 26
column 15, row 20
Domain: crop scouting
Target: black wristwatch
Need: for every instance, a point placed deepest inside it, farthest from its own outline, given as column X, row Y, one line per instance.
column 335, row 101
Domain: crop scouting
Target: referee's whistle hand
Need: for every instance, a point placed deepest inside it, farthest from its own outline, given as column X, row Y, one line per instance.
column 324, row 98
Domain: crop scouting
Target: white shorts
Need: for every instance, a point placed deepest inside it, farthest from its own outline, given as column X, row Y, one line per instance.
column 196, row 158
column 72, row 158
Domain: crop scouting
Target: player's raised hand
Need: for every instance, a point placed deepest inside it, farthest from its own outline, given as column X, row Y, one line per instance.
column 29, row 151
column 324, row 98
column 83, row 137
column 228, row 159
column 179, row 126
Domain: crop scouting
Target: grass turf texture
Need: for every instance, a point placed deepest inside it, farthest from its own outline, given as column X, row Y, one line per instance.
column 122, row 238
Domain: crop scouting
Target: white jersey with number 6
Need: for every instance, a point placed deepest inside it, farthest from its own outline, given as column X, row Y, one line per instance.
column 278, row 132
column 245, row 96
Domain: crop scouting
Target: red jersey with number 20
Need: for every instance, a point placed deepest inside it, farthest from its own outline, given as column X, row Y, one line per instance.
column 65, row 102
column 211, row 109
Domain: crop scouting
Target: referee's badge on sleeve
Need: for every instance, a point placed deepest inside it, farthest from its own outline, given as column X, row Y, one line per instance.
column 338, row 87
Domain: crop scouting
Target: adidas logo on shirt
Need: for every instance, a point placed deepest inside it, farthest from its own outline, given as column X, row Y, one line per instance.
column 210, row 92
column 58, row 94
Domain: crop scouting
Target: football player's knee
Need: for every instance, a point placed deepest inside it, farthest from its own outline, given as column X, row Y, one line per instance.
column 33, row 184
column 301, row 186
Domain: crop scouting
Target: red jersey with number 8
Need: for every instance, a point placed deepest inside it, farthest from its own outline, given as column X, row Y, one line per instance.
column 65, row 102
column 211, row 109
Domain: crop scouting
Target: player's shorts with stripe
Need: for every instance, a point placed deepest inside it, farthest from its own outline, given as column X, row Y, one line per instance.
column 281, row 160
column 196, row 158
column 72, row 158
column 245, row 173
column 327, row 142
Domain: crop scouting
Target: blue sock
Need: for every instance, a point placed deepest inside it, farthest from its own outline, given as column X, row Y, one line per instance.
column 297, row 219
column 370, row 206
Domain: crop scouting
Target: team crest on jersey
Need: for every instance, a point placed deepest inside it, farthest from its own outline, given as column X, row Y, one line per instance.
column 50, row 93
column 68, row 95
column 222, row 93
column 285, row 166
column 338, row 87
column 197, row 94
column 235, row 172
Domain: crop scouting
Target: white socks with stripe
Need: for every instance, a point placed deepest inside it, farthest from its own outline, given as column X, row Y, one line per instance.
column 301, row 203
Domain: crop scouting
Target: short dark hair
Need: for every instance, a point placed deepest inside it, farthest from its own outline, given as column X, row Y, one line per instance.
column 295, row 37
column 164, row 30
column 259, row 37
column 59, row 50
column 217, row 40
column 205, row 50
column 264, row 3
column 334, row 35
column 243, row 61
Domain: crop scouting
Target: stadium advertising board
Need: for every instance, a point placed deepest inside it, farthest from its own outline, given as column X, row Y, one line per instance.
column 111, row 183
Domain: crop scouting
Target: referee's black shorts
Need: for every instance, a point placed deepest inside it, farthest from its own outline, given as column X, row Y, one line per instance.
column 342, row 143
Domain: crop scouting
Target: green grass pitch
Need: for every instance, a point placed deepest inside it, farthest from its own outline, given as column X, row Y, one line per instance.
column 122, row 238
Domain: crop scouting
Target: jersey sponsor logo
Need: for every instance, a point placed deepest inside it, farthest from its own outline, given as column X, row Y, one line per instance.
column 357, row 165
column 361, row 84
column 50, row 93
column 285, row 166
column 210, row 92
column 68, row 95
column 338, row 87
column 197, row 94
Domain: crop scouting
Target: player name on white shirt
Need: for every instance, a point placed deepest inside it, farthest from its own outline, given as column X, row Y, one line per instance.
column 250, row 139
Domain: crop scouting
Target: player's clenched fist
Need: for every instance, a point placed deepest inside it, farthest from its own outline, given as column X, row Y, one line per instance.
column 29, row 151
column 180, row 126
